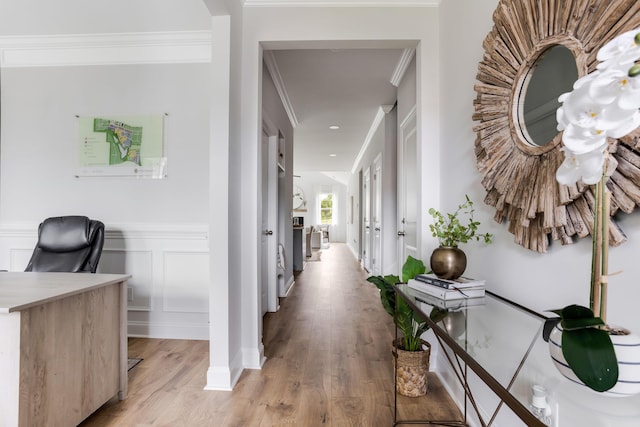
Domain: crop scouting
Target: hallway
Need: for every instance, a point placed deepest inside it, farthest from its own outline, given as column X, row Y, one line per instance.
column 328, row 363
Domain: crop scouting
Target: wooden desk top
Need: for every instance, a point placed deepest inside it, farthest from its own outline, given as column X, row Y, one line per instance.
column 22, row 290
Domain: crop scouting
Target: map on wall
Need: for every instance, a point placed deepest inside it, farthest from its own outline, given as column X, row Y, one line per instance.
column 123, row 146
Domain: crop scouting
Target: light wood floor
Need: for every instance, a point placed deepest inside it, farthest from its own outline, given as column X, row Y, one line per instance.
column 328, row 364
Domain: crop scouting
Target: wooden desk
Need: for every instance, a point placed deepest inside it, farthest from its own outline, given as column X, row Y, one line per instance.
column 63, row 346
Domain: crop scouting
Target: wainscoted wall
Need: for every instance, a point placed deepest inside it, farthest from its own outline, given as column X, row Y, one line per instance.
column 169, row 268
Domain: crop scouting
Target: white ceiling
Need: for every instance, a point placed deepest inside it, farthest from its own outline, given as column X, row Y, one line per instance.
column 344, row 87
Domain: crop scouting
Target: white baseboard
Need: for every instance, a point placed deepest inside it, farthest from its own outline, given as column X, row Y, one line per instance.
column 289, row 286
column 253, row 358
column 224, row 378
column 181, row 331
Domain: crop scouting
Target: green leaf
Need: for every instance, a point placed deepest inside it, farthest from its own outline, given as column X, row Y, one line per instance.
column 575, row 311
column 590, row 354
column 578, row 317
column 411, row 268
column 575, row 324
column 387, row 293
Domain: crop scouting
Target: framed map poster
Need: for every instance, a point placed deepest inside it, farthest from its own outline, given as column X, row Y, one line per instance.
column 121, row 146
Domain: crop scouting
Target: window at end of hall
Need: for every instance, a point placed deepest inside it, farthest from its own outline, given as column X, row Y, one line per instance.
column 326, row 208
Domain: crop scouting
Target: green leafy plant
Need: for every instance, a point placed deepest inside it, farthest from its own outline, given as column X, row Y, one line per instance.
column 408, row 321
column 449, row 229
column 587, row 347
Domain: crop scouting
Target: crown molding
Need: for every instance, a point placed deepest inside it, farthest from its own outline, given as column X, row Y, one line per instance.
column 177, row 47
column 402, row 66
column 382, row 111
column 272, row 66
column 341, row 3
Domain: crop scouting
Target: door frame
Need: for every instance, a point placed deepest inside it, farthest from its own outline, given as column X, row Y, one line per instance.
column 270, row 226
column 405, row 130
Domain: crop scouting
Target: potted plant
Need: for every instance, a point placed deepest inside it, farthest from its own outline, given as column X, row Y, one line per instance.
column 583, row 346
column 448, row 261
column 411, row 350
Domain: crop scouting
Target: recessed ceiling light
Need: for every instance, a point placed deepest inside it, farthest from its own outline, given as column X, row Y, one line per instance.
column 332, row 155
column 334, row 127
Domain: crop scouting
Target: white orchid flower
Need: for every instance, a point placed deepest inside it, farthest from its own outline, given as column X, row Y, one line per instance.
column 615, row 85
column 581, row 140
column 588, row 167
column 622, row 49
column 602, row 104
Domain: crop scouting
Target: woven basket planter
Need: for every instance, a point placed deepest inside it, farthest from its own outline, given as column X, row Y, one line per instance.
column 412, row 370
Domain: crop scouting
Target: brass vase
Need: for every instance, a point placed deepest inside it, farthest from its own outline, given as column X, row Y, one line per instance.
column 448, row 262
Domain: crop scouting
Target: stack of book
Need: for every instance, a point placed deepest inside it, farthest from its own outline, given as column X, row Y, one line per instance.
column 460, row 288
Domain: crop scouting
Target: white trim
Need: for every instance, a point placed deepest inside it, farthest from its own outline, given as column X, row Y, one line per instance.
column 410, row 115
column 342, row 3
column 178, row 331
column 253, row 358
column 224, row 378
column 166, row 301
column 274, row 70
column 402, row 66
column 121, row 231
column 382, row 110
column 171, row 47
column 289, row 286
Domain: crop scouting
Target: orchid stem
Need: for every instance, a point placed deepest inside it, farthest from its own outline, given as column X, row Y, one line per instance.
column 596, row 255
column 600, row 250
column 604, row 270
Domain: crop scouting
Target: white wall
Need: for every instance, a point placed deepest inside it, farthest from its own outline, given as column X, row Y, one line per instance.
column 157, row 230
column 541, row 282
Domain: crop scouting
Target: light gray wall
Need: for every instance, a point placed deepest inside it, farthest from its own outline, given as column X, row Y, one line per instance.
column 383, row 142
column 539, row 281
column 157, row 230
column 274, row 110
column 40, row 142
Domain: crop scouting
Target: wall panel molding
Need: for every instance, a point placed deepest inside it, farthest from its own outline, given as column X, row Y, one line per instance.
column 169, row 268
column 186, row 282
column 174, row 47
column 119, row 231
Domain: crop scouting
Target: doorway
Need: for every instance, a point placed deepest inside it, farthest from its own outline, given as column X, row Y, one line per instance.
column 408, row 188
column 269, row 232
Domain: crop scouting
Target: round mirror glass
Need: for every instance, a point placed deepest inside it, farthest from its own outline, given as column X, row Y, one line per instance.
column 553, row 74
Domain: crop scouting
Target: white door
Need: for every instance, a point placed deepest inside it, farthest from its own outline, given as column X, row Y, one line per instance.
column 366, row 223
column 408, row 189
column 376, row 250
column 269, row 238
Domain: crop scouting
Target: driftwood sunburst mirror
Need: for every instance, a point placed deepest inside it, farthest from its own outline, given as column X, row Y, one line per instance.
column 515, row 152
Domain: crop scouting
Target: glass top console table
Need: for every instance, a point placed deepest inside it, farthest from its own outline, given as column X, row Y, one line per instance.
column 494, row 338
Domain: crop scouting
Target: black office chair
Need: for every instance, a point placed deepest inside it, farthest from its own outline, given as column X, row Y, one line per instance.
column 68, row 244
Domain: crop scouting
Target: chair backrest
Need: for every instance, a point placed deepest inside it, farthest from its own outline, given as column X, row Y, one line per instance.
column 68, row 244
